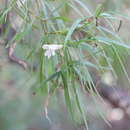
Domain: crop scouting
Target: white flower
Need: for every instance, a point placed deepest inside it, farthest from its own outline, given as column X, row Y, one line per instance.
column 50, row 49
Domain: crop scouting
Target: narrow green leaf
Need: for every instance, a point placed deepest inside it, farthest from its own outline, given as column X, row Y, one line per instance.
column 23, row 33
column 66, row 93
column 110, row 42
column 71, row 30
column 65, row 19
column 78, row 102
column 84, row 6
column 98, row 10
column 52, row 76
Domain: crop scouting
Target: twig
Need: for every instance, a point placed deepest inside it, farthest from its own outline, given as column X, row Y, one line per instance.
column 14, row 58
column 120, row 24
column 46, row 107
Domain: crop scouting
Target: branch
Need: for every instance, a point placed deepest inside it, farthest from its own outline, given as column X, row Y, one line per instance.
column 13, row 58
column 117, row 97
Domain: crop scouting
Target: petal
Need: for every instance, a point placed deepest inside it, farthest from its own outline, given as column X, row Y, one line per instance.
column 52, row 47
column 45, row 46
column 53, row 53
column 60, row 46
column 56, row 47
column 48, row 53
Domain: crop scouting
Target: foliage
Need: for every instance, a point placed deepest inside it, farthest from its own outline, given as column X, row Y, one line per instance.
column 90, row 43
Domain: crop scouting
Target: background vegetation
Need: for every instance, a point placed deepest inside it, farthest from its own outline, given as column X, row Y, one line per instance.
column 57, row 92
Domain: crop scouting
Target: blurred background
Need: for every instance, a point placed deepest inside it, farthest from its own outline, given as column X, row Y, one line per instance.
column 24, row 107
